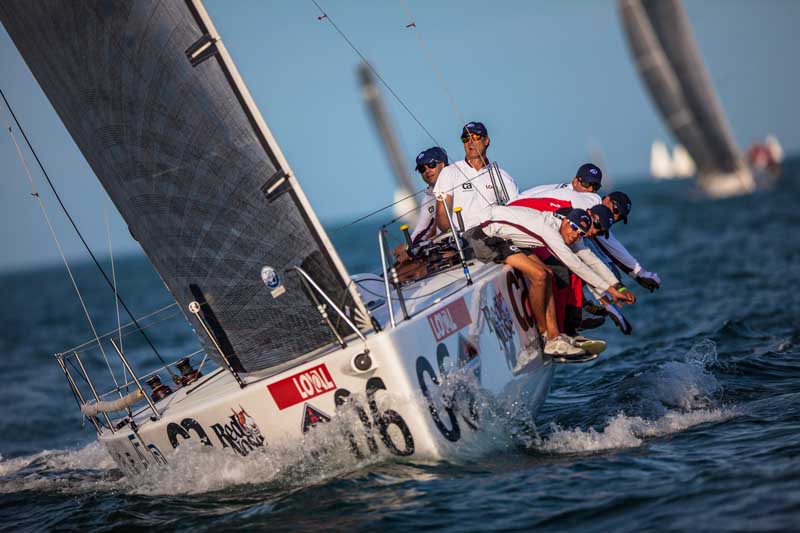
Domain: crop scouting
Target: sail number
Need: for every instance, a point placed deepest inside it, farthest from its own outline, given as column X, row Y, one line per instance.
column 383, row 421
column 451, row 430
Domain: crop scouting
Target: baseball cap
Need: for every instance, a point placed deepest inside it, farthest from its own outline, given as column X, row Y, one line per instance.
column 622, row 203
column 475, row 127
column 580, row 218
column 431, row 155
column 589, row 173
column 606, row 218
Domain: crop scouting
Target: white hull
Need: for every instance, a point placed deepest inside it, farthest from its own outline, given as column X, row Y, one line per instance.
column 478, row 330
column 728, row 185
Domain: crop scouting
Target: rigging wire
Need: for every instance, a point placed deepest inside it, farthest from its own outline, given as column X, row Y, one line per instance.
column 35, row 194
column 116, row 301
column 75, row 227
column 324, row 16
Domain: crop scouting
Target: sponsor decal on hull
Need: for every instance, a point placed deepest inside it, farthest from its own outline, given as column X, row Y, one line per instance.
column 313, row 416
column 302, row 386
column 240, row 433
column 448, row 320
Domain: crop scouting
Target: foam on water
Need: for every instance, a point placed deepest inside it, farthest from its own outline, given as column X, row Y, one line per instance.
column 670, row 398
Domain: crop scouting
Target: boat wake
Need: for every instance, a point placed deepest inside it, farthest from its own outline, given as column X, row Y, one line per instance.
column 669, row 398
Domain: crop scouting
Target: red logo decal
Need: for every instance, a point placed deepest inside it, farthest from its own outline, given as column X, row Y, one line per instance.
column 302, row 386
column 447, row 321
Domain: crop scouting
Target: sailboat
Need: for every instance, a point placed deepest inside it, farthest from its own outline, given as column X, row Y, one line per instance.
column 155, row 104
column 668, row 60
column 664, row 166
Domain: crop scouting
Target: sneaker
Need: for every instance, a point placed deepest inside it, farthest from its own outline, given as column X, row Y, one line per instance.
column 591, row 322
column 524, row 358
column 562, row 346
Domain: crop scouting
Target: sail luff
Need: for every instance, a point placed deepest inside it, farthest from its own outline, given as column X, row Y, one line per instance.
column 272, row 147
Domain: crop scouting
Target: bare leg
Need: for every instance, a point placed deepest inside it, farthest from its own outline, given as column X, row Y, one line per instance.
column 540, row 294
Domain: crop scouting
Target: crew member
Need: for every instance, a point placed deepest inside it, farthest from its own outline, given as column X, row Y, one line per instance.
column 468, row 184
column 430, row 163
column 511, row 229
column 581, row 192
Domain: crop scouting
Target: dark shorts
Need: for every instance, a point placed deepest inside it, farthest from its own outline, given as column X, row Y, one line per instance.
column 491, row 249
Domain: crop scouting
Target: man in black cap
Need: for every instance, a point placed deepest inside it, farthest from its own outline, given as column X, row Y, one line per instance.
column 468, row 183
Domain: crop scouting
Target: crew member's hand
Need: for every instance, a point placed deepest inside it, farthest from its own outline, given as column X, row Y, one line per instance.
column 620, row 321
column 400, row 253
column 622, row 295
column 648, row 280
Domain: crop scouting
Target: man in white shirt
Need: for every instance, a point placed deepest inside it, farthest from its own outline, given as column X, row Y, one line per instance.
column 430, row 164
column 546, row 234
column 468, row 184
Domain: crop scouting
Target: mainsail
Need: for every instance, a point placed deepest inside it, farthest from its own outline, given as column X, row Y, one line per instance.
column 154, row 102
column 667, row 57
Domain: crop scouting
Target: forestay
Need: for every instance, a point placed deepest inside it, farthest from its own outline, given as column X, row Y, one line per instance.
column 152, row 99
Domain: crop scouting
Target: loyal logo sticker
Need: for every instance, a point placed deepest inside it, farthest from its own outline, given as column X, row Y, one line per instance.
column 450, row 319
column 301, row 386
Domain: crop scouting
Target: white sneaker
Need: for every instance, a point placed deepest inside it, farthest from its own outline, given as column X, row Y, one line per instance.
column 524, row 357
column 562, row 346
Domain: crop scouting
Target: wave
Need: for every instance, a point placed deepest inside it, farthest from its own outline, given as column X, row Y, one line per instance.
column 672, row 397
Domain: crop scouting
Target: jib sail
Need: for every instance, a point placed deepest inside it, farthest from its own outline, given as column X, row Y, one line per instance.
column 666, row 54
column 155, row 104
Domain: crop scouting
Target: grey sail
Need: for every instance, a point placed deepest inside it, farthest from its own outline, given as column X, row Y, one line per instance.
column 153, row 101
column 667, row 58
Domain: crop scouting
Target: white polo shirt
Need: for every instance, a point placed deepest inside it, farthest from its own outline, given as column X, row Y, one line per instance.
column 472, row 190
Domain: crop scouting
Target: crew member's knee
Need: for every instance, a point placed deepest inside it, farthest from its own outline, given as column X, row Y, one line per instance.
column 539, row 275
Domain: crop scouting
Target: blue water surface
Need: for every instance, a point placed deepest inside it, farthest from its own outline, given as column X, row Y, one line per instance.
column 691, row 423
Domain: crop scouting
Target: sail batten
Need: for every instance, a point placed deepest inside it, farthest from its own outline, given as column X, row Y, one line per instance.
column 155, row 104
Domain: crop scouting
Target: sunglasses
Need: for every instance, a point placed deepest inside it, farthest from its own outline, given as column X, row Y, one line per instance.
column 577, row 228
column 593, row 186
column 596, row 224
column 475, row 137
column 421, row 166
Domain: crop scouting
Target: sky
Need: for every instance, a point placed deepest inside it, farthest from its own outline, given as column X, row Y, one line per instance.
column 553, row 82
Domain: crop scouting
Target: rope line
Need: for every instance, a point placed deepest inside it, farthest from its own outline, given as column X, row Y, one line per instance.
column 325, row 16
column 75, row 227
column 36, row 195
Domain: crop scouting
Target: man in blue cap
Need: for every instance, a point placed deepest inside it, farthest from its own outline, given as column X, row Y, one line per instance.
column 468, row 183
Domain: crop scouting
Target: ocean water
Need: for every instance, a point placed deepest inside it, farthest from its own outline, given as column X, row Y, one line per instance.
column 691, row 423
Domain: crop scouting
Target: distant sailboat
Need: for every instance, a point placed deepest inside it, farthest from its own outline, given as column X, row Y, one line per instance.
column 666, row 55
column 660, row 161
column 683, row 165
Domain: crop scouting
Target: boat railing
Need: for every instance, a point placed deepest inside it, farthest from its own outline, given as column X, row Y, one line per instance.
column 109, row 406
